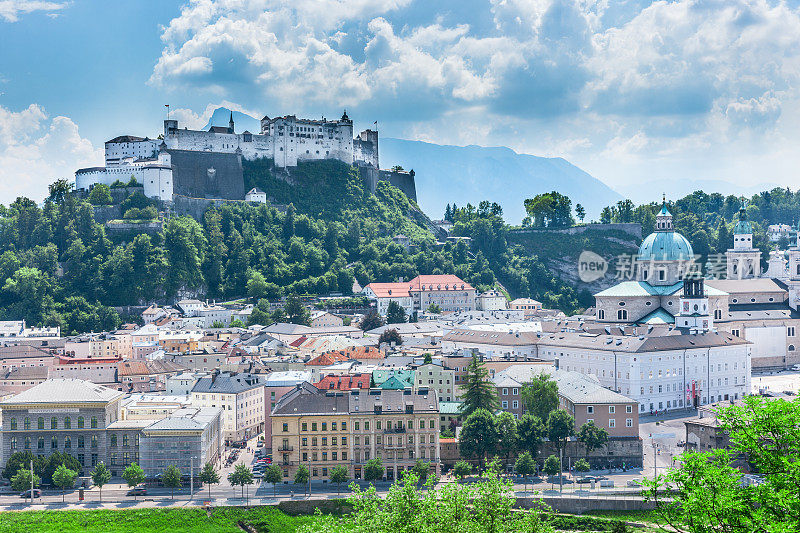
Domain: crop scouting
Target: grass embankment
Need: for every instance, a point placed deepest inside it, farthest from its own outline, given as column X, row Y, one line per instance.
column 195, row 520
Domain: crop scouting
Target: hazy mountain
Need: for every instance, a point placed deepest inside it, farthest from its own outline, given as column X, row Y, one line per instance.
column 461, row 174
column 651, row 191
column 241, row 121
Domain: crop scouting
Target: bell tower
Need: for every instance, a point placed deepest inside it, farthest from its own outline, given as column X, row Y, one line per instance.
column 743, row 261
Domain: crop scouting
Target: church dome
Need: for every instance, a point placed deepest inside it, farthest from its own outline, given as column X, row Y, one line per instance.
column 665, row 246
column 743, row 227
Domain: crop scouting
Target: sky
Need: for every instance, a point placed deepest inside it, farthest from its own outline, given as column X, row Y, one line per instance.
column 629, row 90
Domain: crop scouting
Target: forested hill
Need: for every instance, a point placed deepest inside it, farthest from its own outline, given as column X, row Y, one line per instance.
column 58, row 266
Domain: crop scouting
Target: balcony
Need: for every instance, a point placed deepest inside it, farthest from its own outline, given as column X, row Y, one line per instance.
column 285, row 448
column 395, row 430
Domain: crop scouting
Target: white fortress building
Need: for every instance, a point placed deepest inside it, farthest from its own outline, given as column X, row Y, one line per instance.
column 286, row 140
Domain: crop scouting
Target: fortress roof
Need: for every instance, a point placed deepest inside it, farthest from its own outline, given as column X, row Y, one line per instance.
column 127, row 139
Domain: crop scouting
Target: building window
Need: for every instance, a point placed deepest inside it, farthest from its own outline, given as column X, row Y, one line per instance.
column 40, row 443
column 515, row 404
column 27, row 443
column 13, row 423
column 113, row 441
column 629, row 422
column 40, row 423
column 313, row 426
column 54, row 423
column 590, row 409
column 505, row 404
column 54, row 443
column 67, row 442
column 80, row 441
column 628, row 408
column 344, row 426
column 125, row 440
column 622, row 314
column 611, row 409
column 612, row 423
column 601, row 314
column 80, row 422
column 285, row 427
column 26, row 423
column 13, row 443
column 94, row 422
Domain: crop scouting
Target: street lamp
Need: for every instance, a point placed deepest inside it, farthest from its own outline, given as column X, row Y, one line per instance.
column 191, row 478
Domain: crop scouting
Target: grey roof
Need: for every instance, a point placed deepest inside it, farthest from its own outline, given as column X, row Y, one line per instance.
column 19, row 351
column 186, row 419
column 65, row 391
column 283, row 328
column 576, row 387
column 494, row 338
column 738, row 286
column 306, row 399
column 27, row 372
column 673, row 340
column 228, row 383
column 393, row 401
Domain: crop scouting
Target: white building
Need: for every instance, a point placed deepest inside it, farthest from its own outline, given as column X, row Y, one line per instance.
column 256, row 195
column 385, row 293
column 776, row 231
column 240, row 396
column 321, row 319
column 154, row 173
column 491, row 301
column 665, row 372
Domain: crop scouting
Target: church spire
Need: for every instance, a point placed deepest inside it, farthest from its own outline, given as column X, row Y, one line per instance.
column 230, row 123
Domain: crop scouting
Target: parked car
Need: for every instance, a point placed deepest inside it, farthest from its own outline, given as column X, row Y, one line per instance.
column 36, row 493
column 137, row 491
column 586, row 479
column 239, row 444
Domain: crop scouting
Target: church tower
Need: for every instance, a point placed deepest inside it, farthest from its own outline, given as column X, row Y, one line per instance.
column 230, row 123
column 693, row 314
column 744, row 261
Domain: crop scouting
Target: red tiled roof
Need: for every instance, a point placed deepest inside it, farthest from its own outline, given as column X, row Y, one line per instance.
column 297, row 342
column 387, row 290
column 345, row 382
column 360, row 352
column 439, row 282
column 327, row 359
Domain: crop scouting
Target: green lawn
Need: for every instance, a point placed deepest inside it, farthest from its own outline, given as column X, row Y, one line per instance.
column 195, row 520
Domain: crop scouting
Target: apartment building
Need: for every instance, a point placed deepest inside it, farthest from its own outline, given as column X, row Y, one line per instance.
column 239, row 395
column 436, row 378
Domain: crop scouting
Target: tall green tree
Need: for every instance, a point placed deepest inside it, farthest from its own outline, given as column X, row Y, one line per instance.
column 552, row 466
column 540, row 396
column 171, row 477
column 370, row 320
column 531, row 431
column 242, row 475
column 302, row 477
column 101, row 475
column 209, row 476
column 64, row 478
column 395, row 314
column 478, row 438
column 478, row 391
column 133, row 475
column 525, row 466
column 296, row 312
column 373, row 469
column 100, row 195
column 274, row 475
column 560, row 427
column 592, row 437
column 462, row 469
column 22, row 480
column 338, row 474
column 507, row 435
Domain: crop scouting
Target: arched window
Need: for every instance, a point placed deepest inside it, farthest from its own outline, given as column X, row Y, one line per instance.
column 54, row 443
column 622, row 314
column 791, row 347
column 40, row 423
column 67, row 442
column 601, row 314
column 54, row 423
column 26, row 423
column 67, row 422
column 80, row 422
column 94, row 422
column 13, row 423
column 40, row 443
column 27, row 443
column 81, row 441
column 13, row 443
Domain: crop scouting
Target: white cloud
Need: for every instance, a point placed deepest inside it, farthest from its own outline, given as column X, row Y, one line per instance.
column 36, row 150
column 192, row 120
column 11, row 10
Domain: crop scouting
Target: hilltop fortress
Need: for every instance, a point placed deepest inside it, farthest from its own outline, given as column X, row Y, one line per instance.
column 208, row 164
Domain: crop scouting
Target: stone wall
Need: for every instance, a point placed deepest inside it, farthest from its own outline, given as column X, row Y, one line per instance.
column 405, row 181
column 631, row 228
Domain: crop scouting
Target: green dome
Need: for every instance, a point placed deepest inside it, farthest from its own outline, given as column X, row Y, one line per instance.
column 665, row 246
column 743, row 227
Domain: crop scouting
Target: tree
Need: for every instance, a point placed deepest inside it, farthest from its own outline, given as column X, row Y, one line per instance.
column 540, row 396
column 707, row 492
column 582, row 465
column 302, row 477
column 242, row 476
column 101, row 475
column 338, row 475
column 373, row 470
column 296, row 312
column 59, row 190
column 592, row 437
column 580, row 212
column 427, row 359
column 64, row 478
column 133, row 475
column 22, row 460
column 100, row 195
column 370, row 321
column 273, row 475
column 22, row 480
column 390, row 336
column 462, row 469
column 550, row 209
column 531, row 431
column 421, row 469
column 395, row 314
column 434, row 309
column 478, row 435
column 171, row 478
column 209, row 476
column 560, row 426
column 525, row 466
column 507, row 436
column 552, row 466
column 479, row 391
column 53, row 461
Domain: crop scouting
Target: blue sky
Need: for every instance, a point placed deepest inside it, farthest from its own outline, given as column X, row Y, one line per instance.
column 630, row 90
